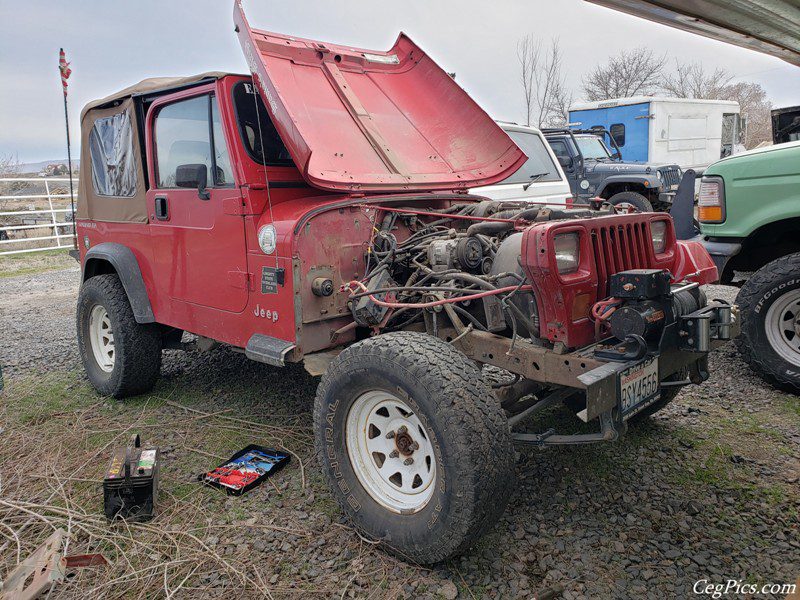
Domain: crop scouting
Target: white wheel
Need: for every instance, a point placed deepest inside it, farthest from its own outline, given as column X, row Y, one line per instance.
column 101, row 338
column 391, row 452
column 782, row 326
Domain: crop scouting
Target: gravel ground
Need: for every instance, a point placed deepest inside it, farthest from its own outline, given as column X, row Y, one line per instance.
column 707, row 489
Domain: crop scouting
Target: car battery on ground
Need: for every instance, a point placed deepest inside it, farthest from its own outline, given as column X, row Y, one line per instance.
column 130, row 485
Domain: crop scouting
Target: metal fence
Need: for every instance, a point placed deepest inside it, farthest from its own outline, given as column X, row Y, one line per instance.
column 36, row 221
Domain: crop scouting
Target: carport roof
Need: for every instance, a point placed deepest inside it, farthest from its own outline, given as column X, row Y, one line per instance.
column 768, row 26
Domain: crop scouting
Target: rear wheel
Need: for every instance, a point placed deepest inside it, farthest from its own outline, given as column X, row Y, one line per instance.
column 631, row 200
column 770, row 311
column 415, row 446
column 121, row 357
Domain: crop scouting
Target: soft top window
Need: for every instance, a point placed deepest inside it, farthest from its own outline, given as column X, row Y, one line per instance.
column 255, row 126
column 111, row 153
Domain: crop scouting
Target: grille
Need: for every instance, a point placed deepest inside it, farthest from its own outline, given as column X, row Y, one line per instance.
column 670, row 176
column 619, row 247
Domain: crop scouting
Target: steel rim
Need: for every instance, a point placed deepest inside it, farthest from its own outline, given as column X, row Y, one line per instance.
column 783, row 326
column 391, row 452
column 101, row 338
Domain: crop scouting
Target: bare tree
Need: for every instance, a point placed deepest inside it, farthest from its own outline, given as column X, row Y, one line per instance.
column 528, row 57
column 691, row 80
column 544, row 88
column 9, row 165
column 630, row 73
column 755, row 106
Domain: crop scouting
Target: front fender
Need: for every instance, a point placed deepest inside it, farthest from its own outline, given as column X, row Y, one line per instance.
column 127, row 267
column 694, row 263
column 647, row 181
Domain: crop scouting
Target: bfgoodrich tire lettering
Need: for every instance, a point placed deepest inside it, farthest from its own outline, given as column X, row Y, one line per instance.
column 774, row 286
column 466, row 428
column 137, row 347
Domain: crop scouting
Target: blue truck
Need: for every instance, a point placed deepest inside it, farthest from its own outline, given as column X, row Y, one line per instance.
column 690, row 133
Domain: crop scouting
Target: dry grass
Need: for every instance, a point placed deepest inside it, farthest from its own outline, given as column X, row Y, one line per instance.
column 56, row 441
column 36, row 262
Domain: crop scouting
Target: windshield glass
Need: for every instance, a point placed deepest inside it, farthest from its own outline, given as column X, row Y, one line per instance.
column 592, row 147
column 539, row 166
column 261, row 139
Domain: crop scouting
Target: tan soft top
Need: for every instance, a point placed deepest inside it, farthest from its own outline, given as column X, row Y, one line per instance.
column 152, row 84
column 126, row 201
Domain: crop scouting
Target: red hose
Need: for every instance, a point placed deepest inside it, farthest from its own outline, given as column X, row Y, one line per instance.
column 503, row 290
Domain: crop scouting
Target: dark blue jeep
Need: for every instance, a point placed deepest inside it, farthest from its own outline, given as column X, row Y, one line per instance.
column 597, row 174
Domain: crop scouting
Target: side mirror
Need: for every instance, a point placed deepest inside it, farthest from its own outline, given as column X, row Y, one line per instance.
column 193, row 176
column 616, row 155
column 566, row 162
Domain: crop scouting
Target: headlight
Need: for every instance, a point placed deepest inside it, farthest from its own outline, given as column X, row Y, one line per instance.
column 711, row 200
column 659, row 175
column 267, row 239
column 658, row 233
column 567, row 250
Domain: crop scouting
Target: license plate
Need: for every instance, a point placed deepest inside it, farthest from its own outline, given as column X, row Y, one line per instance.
column 638, row 387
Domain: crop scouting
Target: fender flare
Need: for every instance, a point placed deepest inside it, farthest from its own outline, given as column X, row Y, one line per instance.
column 655, row 184
column 127, row 267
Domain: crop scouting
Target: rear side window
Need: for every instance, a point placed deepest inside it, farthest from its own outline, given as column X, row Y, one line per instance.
column 259, row 136
column 617, row 132
column 111, row 153
column 190, row 132
column 539, row 166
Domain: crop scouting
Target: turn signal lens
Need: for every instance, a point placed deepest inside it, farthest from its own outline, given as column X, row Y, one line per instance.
column 658, row 234
column 567, row 251
column 711, row 200
column 267, row 239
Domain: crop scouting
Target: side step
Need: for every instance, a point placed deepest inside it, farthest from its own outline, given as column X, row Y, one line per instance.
column 269, row 350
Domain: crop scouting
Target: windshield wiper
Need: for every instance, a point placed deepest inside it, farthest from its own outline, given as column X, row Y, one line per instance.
column 534, row 178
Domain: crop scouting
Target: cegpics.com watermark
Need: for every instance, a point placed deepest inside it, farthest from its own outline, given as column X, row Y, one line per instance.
column 740, row 587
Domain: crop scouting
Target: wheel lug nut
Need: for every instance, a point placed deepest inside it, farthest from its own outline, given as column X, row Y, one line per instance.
column 415, row 446
column 402, row 429
column 394, row 454
column 390, row 435
column 408, row 461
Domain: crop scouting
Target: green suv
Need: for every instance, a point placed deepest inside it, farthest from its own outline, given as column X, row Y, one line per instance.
column 749, row 213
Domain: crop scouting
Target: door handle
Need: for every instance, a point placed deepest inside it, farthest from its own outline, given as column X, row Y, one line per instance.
column 162, row 208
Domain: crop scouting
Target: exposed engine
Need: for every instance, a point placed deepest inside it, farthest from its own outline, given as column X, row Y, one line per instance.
column 465, row 261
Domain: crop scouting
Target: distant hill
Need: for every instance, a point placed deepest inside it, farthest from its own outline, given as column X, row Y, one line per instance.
column 41, row 166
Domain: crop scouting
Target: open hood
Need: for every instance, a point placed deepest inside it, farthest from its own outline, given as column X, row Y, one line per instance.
column 362, row 120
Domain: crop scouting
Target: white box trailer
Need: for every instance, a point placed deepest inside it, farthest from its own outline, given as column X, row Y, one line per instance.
column 691, row 133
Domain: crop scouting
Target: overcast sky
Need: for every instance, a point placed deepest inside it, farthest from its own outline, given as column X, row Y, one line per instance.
column 114, row 44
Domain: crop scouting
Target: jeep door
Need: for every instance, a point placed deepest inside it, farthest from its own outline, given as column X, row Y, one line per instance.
column 197, row 230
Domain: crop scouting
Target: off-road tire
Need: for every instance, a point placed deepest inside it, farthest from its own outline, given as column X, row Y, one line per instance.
column 137, row 347
column 758, row 294
column 668, row 394
column 468, row 429
column 635, row 199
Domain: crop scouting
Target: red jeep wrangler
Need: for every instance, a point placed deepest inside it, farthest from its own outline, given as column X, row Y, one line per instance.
column 317, row 211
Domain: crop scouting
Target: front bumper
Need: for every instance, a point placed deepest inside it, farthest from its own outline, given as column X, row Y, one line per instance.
column 685, row 346
column 666, row 197
column 721, row 252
